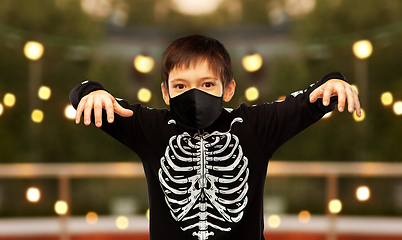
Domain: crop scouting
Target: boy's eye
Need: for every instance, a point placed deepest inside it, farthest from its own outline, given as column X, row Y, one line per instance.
column 208, row 84
column 179, row 86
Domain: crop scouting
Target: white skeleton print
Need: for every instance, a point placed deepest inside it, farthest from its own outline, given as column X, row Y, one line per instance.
column 204, row 179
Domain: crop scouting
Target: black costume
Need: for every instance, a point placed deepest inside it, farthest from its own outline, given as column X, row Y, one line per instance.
column 209, row 184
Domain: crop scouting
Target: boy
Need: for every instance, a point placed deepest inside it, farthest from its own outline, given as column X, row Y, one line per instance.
column 205, row 166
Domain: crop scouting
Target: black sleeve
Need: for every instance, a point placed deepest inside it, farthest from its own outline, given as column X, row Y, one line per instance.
column 275, row 123
column 82, row 90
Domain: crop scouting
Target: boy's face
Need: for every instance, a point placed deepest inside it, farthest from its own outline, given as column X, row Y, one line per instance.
column 199, row 77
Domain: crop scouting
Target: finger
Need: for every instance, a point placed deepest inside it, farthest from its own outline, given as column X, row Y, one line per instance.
column 357, row 104
column 351, row 99
column 327, row 95
column 122, row 111
column 341, row 98
column 80, row 109
column 317, row 93
column 98, row 112
column 87, row 111
column 109, row 110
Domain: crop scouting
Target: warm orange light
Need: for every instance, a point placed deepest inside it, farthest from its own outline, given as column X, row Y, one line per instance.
column 91, row 218
column 304, row 216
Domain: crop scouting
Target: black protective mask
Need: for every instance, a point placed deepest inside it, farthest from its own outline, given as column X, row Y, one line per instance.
column 195, row 109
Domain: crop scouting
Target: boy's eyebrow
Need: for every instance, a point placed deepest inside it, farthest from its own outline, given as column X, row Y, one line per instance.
column 203, row 78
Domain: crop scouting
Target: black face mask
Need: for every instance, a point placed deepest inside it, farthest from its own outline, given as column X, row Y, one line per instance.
column 195, row 109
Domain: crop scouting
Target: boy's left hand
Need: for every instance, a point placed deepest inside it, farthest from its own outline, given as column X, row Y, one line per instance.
column 340, row 88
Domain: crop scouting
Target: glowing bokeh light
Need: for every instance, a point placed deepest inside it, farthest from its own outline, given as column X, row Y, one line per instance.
column 33, row 50
column 299, row 7
column 69, row 112
column 252, row 62
column 335, row 206
column 196, row 7
column 9, row 100
column 398, row 108
column 252, row 94
column 387, row 98
column 363, row 193
column 91, row 218
column 33, row 194
column 144, row 64
column 274, row 221
column 304, row 216
column 361, row 118
column 144, row 95
column 147, row 213
column 44, row 93
column 96, row 8
column 327, row 115
column 37, row 116
column 362, row 49
column 1, row 109
column 122, row 222
column 61, row 207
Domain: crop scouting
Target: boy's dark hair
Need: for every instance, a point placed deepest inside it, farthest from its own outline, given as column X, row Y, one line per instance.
column 188, row 51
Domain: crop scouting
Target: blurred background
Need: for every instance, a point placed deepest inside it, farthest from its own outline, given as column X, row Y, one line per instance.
column 277, row 47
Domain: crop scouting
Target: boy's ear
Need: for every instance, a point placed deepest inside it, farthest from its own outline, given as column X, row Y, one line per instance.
column 165, row 94
column 229, row 91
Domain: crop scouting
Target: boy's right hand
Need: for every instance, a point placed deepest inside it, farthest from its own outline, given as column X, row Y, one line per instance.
column 97, row 100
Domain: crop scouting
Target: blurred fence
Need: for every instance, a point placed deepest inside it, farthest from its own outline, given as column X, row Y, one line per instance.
column 330, row 225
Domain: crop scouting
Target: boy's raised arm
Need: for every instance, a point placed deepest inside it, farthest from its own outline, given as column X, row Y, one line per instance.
column 95, row 98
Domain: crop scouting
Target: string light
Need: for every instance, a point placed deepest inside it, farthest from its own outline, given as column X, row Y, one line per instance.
column 327, row 115
column 363, row 193
column 274, row 221
column 387, row 98
column 252, row 62
column 33, row 50
column 69, row 112
column 335, row 206
column 147, row 214
column 91, row 218
column 144, row 95
column 252, row 94
column 144, row 64
column 44, row 93
column 37, row 116
column 304, row 216
column 9, row 100
column 122, row 222
column 61, row 207
column 33, row 194
column 362, row 49
column 398, row 108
